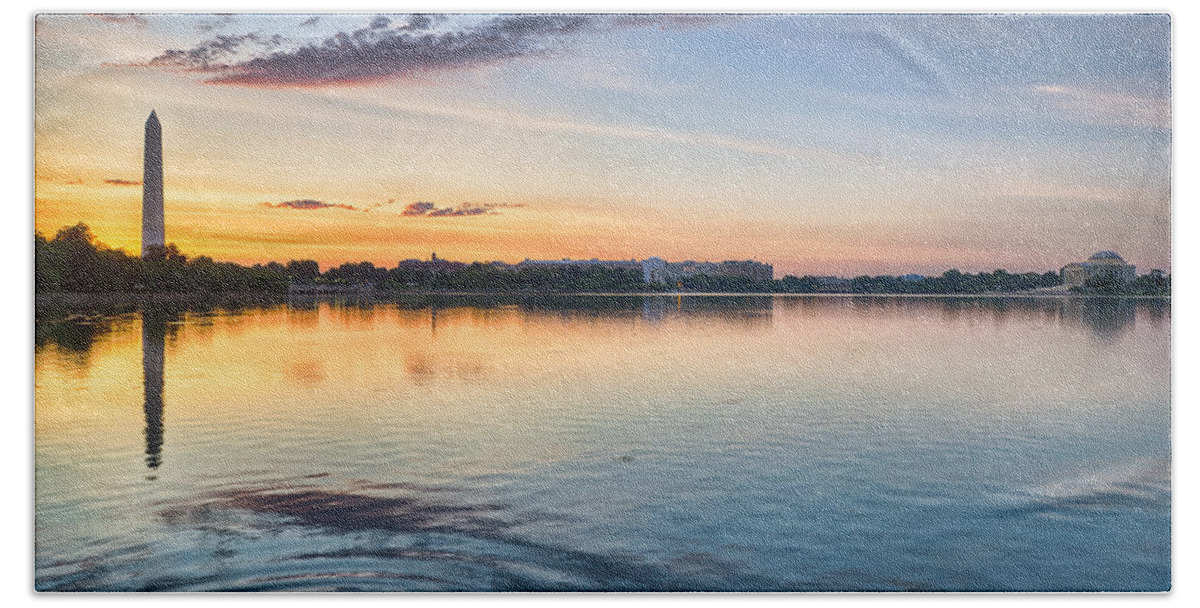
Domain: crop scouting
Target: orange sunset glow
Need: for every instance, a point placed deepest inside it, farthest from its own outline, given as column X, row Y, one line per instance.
column 785, row 139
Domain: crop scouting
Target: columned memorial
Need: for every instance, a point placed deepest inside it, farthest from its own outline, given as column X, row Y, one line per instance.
column 152, row 188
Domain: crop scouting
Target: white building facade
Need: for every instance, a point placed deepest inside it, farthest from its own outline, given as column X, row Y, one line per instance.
column 1104, row 264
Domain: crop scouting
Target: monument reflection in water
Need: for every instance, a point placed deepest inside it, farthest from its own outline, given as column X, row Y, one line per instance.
column 607, row 443
column 154, row 337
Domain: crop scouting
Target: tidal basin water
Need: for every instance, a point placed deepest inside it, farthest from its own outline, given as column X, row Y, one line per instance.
column 606, row 443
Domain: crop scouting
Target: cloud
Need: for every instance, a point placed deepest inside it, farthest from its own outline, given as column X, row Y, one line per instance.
column 220, row 20
column 383, row 51
column 390, row 201
column 427, row 209
column 310, row 21
column 671, row 20
column 205, row 56
column 418, row 208
column 634, row 133
column 461, row 210
column 307, row 204
column 1099, row 107
column 122, row 182
column 131, row 18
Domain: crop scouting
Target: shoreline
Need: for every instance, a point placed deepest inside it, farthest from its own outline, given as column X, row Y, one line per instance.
column 49, row 298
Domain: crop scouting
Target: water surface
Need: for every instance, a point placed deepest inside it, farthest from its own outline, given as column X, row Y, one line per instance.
column 606, row 443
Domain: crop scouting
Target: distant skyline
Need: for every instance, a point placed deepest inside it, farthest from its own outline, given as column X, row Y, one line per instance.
column 823, row 144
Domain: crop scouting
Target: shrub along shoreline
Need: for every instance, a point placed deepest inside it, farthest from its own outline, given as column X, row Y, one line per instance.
column 73, row 261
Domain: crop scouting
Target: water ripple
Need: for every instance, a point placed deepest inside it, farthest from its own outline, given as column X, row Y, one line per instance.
column 1141, row 484
column 355, row 537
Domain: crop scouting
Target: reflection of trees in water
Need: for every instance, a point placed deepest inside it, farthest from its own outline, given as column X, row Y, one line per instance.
column 1157, row 311
column 303, row 313
column 1106, row 318
column 74, row 324
column 74, row 329
column 74, row 334
column 567, row 307
column 653, row 308
column 70, row 336
column 78, row 332
column 741, row 310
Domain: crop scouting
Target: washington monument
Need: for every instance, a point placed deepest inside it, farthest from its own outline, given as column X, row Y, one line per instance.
column 152, row 188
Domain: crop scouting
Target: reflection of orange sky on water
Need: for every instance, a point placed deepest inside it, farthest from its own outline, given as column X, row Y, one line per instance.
column 354, row 369
column 390, row 395
column 90, row 401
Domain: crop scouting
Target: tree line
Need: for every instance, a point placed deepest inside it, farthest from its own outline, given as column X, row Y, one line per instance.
column 74, row 261
column 1157, row 283
column 950, row 282
column 954, row 281
column 478, row 276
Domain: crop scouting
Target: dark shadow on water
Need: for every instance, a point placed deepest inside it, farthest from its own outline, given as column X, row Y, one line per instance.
column 349, row 511
column 456, row 532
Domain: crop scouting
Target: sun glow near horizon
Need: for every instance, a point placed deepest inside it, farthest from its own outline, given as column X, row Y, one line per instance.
column 795, row 140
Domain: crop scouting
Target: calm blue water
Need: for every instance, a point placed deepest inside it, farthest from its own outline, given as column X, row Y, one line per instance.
column 606, row 443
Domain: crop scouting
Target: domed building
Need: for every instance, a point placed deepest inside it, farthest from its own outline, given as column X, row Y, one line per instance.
column 1102, row 264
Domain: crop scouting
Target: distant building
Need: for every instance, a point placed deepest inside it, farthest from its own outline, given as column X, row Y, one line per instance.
column 434, row 265
column 658, row 270
column 626, row 264
column 654, row 270
column 1105, row 264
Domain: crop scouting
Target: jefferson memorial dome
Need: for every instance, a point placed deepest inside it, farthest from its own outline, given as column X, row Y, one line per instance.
column 1102, row 264
column 1103, row 256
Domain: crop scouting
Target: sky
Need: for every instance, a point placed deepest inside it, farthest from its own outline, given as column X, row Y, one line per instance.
column 841, row 144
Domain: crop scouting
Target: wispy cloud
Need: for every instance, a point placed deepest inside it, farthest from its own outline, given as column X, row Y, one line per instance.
column 383, row 51
column 128, row 18
column 633, row 133
column 210, row 55
column 1108, row 108
column 308, row 204
column 218, row 21
column 420, row 208
column 427, row 209
column 122, row 182
column 671, row 20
